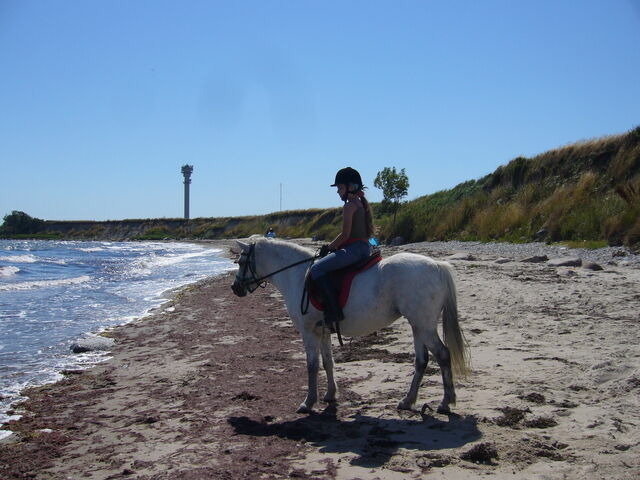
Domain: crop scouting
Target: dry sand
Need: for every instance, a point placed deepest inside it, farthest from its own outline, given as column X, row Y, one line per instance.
column 209, row 390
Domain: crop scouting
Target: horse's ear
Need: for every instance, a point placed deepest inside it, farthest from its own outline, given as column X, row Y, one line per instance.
column 243, row 246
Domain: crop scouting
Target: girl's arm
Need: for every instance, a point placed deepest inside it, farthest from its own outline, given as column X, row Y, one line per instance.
column 347, row 219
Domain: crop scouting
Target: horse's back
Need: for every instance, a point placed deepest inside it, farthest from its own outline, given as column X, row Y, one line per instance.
column 417, row 282
column 406, row 266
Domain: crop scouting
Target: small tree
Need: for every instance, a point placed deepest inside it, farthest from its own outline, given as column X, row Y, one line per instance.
column 394, row 186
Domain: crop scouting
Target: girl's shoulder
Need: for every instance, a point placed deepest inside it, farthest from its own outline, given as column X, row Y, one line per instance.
column 353, row 205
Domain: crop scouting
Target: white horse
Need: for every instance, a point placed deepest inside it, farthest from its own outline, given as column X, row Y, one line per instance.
column 406, row 284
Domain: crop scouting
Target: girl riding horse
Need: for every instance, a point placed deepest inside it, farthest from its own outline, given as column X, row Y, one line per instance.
column 350, row 246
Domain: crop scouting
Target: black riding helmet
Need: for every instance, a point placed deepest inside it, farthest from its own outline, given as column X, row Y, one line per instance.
column 347, row 176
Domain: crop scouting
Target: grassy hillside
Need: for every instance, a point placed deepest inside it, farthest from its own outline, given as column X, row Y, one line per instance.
column 587, row 191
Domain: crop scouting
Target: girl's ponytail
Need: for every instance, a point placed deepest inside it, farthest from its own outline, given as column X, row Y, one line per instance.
column 368, row 216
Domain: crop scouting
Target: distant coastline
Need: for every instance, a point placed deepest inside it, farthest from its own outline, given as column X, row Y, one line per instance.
column 300, row 223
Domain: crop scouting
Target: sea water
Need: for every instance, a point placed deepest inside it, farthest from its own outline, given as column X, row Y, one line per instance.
column 54, row 292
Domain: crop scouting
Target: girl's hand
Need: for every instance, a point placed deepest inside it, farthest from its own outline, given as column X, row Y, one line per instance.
column 324, row 251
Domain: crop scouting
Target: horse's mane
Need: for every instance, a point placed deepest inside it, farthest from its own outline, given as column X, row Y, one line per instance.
column 298, row 252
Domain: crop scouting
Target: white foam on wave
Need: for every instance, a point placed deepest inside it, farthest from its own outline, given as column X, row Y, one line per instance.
column 12, row 314
column 8, row 271
column 173, row 259
column 57, row 262
column 146, row 265
column 91, row 249
column 20, row 259
column 44, row 283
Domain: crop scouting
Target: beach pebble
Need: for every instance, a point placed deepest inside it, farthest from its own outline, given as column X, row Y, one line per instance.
column 502, row 260
column 566, row 272
column 592, row 266
column 461, row 256
column 92, row 344
column 565, row 262
column 535, row 259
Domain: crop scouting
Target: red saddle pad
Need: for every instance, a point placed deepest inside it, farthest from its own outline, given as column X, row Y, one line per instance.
column 342, row 280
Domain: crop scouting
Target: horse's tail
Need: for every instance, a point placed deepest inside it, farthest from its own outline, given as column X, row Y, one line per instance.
column 453, row 336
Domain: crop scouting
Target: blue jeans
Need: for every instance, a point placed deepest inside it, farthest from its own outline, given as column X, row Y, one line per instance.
column 343, row 257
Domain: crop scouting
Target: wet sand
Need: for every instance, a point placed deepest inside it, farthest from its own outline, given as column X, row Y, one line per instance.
column 207, row 386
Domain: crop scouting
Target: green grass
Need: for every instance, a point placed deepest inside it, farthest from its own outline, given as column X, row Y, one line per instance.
column 588, row 244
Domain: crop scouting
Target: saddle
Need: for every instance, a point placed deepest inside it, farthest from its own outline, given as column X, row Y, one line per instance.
column 341, row 279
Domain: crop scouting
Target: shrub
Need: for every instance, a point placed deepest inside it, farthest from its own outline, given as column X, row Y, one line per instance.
column 20, row 223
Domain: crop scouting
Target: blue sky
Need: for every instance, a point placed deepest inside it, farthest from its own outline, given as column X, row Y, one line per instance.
column 102, row 102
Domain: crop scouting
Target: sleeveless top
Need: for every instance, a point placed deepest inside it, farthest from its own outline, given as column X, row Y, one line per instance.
column 358, row 226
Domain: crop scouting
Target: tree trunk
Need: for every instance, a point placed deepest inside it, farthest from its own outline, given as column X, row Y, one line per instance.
column 395, row 211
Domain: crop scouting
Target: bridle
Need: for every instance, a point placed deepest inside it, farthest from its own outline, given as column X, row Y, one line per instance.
column 251, row 283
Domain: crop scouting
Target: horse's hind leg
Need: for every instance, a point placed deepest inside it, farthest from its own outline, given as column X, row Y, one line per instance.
column 441, row 352
column 422, row 357
column 327, row 363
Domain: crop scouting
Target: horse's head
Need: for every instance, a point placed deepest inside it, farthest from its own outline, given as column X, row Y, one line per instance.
column 246, row 277
column 275, row 256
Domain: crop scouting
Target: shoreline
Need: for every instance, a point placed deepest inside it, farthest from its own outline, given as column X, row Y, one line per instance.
column 98, row 354
column 209, row 389
column 110, row 381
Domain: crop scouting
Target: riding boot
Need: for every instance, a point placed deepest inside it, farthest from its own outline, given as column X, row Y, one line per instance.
column 332, row 311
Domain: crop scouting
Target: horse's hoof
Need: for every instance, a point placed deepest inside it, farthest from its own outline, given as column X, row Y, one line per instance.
column 329, row 399
column 304, row 409
column 442, row 408
column 404, row 405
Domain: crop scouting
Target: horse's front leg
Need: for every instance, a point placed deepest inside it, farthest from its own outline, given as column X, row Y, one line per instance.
column 327, row 363
column 312, row 346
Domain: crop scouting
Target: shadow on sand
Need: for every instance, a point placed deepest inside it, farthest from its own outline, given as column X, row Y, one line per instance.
column 373, row 440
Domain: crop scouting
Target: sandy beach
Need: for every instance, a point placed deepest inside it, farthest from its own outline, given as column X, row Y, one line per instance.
column 206, row 387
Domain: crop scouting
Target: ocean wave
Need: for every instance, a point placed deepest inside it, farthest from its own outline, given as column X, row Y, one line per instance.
column 57, row 262
column 173, row 259
column 44, row 283
column 8, row 271
column 28, row 258
column 147, row 265
column 12, row 314
column 20, row 259
column 91, row 249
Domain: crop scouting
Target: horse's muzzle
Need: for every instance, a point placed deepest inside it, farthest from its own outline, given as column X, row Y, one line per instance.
column 238, row 289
